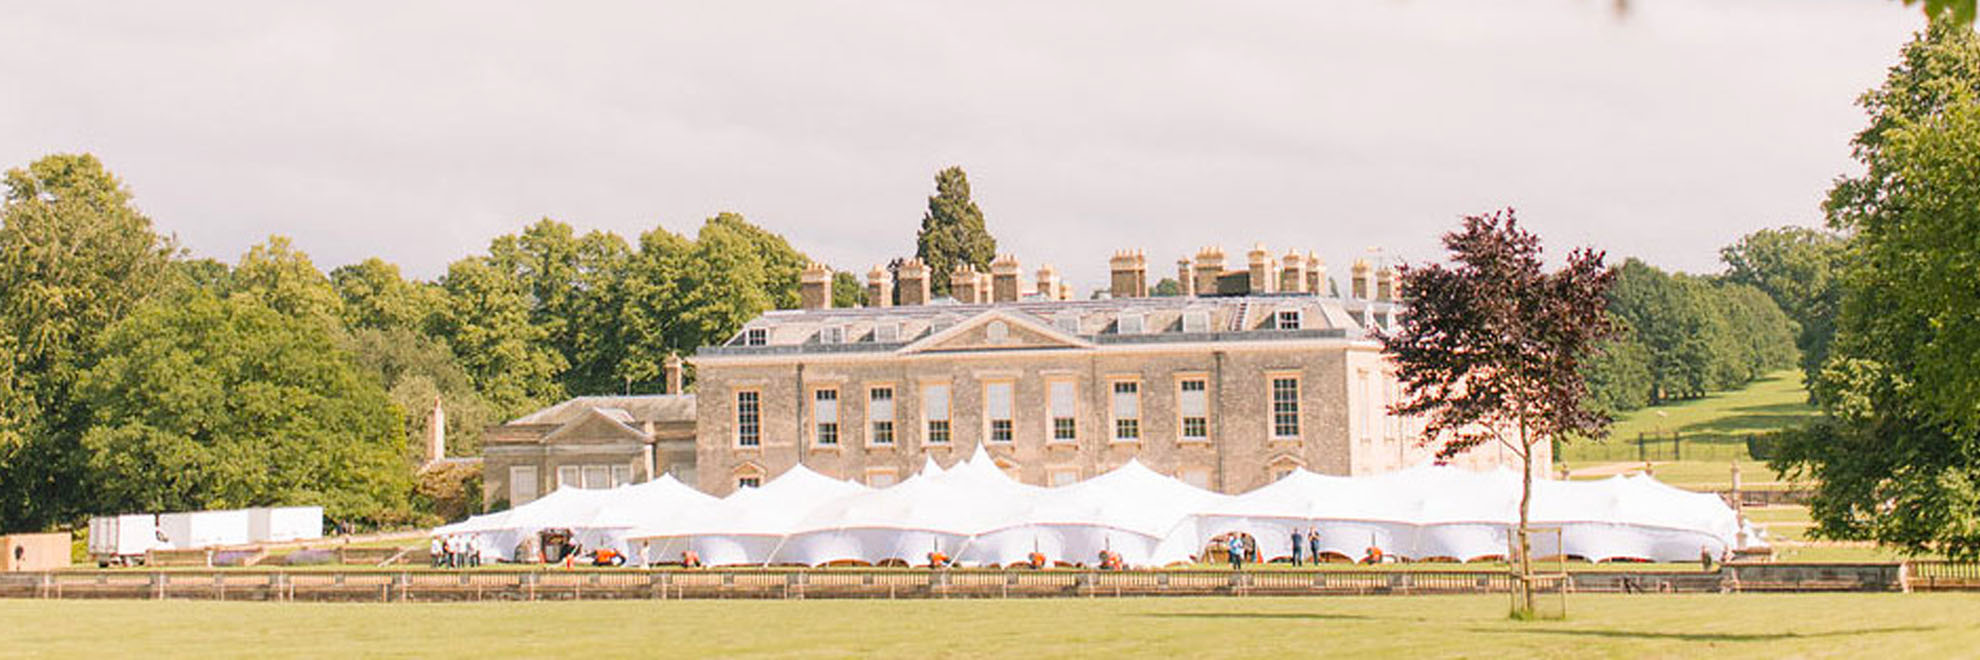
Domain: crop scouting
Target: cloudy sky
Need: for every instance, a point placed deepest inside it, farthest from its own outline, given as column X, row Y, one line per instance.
column 419, row 133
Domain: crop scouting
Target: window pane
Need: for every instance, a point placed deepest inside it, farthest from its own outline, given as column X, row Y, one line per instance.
column 597, row 477
column 825, row 415
column 1063, row 398
column 1127, row 400
column 935, row 402
column 882, row 404
column 997, row 400
column 1195, row 401
column 749, row 430
column 621, row 475
column 827, row 409
column 569, row 476
column 1285, row 407
column 522, row 484
column 1064, row 428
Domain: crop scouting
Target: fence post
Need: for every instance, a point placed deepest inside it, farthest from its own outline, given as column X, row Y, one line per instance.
column 1677, row 445
column 1641, row 456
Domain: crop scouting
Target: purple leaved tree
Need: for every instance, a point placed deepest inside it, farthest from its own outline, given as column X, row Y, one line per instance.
column 1490, row 346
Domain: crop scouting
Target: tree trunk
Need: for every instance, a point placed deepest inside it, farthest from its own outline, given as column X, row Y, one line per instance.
column 1525, row 537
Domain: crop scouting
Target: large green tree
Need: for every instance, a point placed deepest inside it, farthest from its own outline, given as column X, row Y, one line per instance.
column 1796, row 266
column 283, row 278
column 569, row 279
column 205, row 402
column 1897, row 459
column 952, row 231
column 376, row 297
column 76, row 256
column 486, row 321
column 680, row 294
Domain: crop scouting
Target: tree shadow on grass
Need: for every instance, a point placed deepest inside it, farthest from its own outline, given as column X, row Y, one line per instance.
column 1253, row 615
column 1707, row 637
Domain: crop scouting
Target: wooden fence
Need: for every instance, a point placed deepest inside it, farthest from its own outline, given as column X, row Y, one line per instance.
column 1943, row 575
column 385, row 585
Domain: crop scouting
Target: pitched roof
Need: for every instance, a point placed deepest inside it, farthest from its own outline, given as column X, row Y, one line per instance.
column 628, row 410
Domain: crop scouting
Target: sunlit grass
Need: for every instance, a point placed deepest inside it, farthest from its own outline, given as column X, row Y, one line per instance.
column 1744, row 625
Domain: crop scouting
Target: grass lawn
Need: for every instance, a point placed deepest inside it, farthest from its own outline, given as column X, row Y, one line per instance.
column 1713, row 427
column 1750, row 625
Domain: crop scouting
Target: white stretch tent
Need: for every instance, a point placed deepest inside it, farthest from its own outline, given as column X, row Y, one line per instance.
column 975, row 513
column 598, row 518
column 937, row 510
column 748, row 525
column 1130, row 510
column 1443, row 512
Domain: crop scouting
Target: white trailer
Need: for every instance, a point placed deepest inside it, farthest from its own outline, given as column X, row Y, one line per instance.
column 287, row 523
column 204, row 529
column 122, row 540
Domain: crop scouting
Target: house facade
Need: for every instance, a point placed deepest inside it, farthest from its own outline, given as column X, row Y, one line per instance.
column 1226, row 391
column 1248, row 374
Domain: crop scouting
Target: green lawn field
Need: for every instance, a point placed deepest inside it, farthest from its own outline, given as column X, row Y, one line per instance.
column 1827, row 625
column 1714, row 429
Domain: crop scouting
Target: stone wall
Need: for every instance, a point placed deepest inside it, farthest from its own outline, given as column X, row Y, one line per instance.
column 1240, row 454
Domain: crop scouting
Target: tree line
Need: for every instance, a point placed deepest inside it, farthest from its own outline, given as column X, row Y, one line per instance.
column 137, row 377
column 1681, row 336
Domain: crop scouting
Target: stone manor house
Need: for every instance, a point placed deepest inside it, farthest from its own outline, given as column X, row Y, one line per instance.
column 1249, row 374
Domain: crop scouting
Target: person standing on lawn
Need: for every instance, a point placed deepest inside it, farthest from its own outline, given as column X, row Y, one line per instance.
column 1236, row 548
column 1298, row 539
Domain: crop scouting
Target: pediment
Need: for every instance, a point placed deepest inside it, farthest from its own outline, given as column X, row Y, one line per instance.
column 997, row 330
column 594, row 427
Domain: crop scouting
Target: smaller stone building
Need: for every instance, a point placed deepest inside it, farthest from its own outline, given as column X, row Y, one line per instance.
column 589, row 442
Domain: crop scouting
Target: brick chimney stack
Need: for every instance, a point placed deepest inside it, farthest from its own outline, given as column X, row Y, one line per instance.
column 914, row 282
column 1209, row 267
column 1292, row 273
column 672, row 368
column 1363, row 284
column 879, row 288
column 966, row 285
column 1264, row 270
column 1130, row 274
column 436, row 433
column 815, row 287
column 1006, row 279
column 1316, row 274
column 1385, row 284
column 1048, row 282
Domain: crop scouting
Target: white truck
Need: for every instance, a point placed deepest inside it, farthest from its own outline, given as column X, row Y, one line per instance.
column 191, row 530
column 285, row 523
column 123, row 540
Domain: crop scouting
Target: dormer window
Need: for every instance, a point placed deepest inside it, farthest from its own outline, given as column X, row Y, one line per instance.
column 1067, row 323
column 755, row 337
column 831, row 335
column 1288, row 319
column 1130, row 324
column 1196, row 321
column 887, row 333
